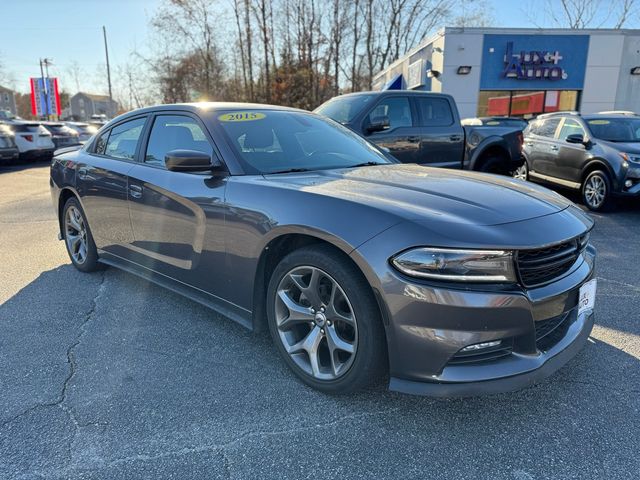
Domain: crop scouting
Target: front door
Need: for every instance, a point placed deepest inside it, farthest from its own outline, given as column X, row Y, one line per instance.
column 177, row 217
column 571, row 157
column 543, row 152
column 102, row 185
column 401, row 138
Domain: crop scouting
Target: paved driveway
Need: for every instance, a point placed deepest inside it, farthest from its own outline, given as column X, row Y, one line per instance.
column 107, row 376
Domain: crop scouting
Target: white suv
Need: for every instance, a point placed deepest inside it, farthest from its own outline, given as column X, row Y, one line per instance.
column 33, row 140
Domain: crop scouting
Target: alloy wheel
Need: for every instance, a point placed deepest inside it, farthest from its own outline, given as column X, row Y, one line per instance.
column 316, row 323
column 520, row 173
column 75, row 234
column 595, row 191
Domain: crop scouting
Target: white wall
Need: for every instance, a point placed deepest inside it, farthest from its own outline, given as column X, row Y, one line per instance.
column 628, row 94
column 463, row 49
column 601, row 76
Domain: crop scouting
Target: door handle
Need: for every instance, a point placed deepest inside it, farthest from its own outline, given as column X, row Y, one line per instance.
column 529, row 144
column 135, row 191
column 554, row 148
column 455, row 138
column 413, row 139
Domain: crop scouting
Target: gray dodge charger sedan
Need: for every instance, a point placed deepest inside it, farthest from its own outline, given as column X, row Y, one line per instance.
column 449, row 282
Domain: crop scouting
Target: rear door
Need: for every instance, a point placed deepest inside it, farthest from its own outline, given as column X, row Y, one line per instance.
column 401, row 138
column 441, row 138
column 541, row 146
column 570, row 156
column 101, row 181
column 178, row 217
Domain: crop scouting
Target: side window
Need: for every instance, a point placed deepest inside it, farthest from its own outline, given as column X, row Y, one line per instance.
column 434, row 112
column 101, row 143
column 396, row 108
column 571, row 127
column 548, row 127
column 175, row 132
column 124, row 138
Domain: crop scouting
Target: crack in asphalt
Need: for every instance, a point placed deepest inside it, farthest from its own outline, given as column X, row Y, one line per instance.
column 71, row 361
column 221, row 447
column 623, row 284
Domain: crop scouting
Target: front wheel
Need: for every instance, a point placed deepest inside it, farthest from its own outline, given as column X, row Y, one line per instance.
column 596, row 191
column 324, row 321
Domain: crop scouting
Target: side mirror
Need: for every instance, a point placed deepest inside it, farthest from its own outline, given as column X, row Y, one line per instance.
column 575, row 138
column 378, row 124
column 187, row 161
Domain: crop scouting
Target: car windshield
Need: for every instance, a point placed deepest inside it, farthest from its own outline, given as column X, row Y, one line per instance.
column 272, row 141
column 616, row 129
column 344, row 109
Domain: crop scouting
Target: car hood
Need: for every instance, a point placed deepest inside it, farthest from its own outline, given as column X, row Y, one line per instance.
column 626, row 147
column 414, row 192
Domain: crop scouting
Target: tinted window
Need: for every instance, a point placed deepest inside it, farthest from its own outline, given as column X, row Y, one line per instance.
column 570, row 127
column 547, row 128
column 175, row 132
column 124, row 138
column 101, row 143
column 434, row 112
column 616, row 129
column 269, row 141
column 344, row 109
column 396, row 108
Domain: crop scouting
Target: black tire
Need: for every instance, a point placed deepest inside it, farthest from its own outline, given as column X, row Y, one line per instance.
column 596, row 180
column 495, row 165
column 89, row 261
column 370, row 358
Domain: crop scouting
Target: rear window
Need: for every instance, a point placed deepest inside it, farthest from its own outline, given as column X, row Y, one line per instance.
column 545, row 127
column 434, row 112
column 59, row 129
column 344, row 109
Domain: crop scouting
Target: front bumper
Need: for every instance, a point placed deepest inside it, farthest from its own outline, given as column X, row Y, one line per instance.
column 428, row 325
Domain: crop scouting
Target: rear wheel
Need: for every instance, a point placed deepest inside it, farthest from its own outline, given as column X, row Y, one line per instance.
column 324, row 321
column 522, row 172
column 596, row 191
column 77, row 237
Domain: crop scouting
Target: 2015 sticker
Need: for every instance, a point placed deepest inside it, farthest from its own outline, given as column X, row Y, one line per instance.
column 241, row 117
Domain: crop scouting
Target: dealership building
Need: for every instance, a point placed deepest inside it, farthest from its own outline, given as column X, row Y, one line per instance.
column 524, row 72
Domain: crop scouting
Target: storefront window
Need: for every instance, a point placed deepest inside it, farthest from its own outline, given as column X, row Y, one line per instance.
column 525, row 103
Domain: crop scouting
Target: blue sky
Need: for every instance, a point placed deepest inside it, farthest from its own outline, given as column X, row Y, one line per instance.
column 70, row 31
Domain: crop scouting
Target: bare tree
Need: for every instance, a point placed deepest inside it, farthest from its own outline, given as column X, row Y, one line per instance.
column 578, row 14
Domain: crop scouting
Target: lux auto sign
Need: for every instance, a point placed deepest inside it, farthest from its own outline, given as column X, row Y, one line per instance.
column 533, row 65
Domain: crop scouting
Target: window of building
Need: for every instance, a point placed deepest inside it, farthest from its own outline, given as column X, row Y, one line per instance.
column 525, row 103
column 397, row 109
column 123, row 140
column 175, row 132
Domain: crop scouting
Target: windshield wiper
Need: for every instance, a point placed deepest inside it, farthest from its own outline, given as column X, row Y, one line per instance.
column 291, row 170
column 365, row 164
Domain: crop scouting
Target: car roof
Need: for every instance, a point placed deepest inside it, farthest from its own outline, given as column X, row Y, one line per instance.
column 386, row 92
column 595, row 116
column 212, row 106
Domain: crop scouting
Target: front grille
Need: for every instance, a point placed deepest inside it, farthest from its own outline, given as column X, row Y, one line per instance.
column 540, row 266
column 484, row 355
column 549, row 332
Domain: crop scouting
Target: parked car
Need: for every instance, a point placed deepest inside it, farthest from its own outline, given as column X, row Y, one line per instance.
column 516, row 122
column 62, row 135
column 597, row 154
column 8, row 150
column 456, row 283
column 424, row 128
column 84, row 130
column 33, row 140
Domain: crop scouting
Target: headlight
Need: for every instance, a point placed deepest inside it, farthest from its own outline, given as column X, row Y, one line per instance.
column 457, row 265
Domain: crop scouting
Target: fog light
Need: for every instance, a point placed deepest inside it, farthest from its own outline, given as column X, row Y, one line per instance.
column 481, row 346
column 628, row 184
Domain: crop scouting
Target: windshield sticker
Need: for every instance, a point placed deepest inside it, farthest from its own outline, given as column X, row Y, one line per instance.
column 241, row 117
column 599, row 122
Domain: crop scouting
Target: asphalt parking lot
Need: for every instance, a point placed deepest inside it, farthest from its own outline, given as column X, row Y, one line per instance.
column 105, row 376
